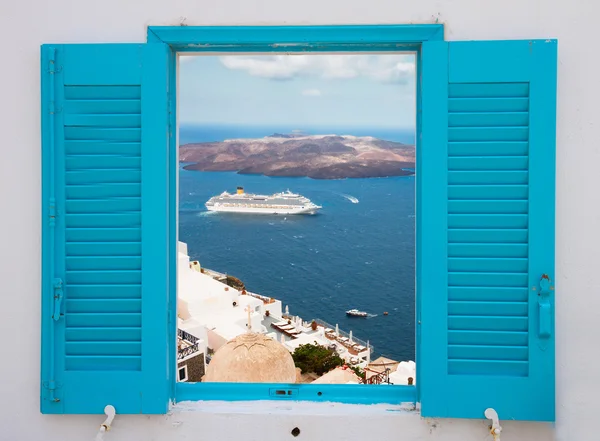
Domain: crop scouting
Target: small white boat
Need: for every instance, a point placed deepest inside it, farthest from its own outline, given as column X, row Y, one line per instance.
column 356, row 313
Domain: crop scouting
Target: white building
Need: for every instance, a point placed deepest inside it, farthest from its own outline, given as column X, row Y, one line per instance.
column 204, row 302
column 216, row 313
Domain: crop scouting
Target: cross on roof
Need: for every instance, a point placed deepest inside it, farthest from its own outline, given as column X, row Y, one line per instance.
column 249, row 324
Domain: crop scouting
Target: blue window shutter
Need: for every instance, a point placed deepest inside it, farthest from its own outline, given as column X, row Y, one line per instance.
column 487, row 191
column 104, row 228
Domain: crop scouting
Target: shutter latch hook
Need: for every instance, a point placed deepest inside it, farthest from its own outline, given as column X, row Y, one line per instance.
column 495, row 428
column 57, row 286
column 110, row 414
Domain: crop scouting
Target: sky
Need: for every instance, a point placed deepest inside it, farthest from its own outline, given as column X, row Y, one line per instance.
column 375, row 90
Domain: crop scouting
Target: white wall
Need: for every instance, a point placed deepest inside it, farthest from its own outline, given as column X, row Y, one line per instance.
column 25, row 24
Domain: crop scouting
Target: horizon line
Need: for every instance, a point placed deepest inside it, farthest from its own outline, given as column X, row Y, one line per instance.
column 190, row 123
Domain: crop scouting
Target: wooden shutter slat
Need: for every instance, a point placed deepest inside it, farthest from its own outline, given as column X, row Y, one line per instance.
column 487, row 148
column 488, row 293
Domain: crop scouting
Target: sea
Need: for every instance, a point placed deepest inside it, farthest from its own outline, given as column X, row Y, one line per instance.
column 357, row 252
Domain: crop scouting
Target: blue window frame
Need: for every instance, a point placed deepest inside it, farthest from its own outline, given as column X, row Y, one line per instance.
column 485, row 221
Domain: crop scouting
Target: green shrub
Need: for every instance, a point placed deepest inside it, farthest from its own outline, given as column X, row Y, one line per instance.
column 234, row 282
column 316, row 358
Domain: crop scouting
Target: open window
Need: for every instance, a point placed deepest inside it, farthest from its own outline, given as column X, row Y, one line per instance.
column 484, row 215
column 182, row 373
column 297, row 216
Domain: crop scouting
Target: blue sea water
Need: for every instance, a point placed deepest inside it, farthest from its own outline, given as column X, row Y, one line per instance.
column 358, row 252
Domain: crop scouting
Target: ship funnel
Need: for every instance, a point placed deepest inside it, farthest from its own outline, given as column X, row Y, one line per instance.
column 240, row 190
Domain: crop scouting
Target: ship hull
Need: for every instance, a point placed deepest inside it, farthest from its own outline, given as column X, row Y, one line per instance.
column 264, row 210
column 356, row 315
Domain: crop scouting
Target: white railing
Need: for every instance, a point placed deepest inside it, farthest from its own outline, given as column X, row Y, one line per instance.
column 343, row 333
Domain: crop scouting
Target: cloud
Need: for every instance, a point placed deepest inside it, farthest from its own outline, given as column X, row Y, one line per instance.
column 276, row 68
column 185, row 58
column 311, row 92
column 382, row 68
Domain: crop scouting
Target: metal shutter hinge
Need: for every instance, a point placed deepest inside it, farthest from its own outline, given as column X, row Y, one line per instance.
column 54, row 109
column 52, row 212
column 53, row 69
column 52, row 387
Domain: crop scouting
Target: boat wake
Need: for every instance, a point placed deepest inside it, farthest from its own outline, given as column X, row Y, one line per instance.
column 372, row 315
column 207, row 213
column 351, row 198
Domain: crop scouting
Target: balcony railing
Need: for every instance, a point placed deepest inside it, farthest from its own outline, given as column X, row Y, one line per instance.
column 187, row 351
column 189, row 344
column 266, row 300
column 378, row 378
column 187, row 336
column 343, row 333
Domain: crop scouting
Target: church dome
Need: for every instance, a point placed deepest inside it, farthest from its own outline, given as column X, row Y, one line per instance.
column 251, row 358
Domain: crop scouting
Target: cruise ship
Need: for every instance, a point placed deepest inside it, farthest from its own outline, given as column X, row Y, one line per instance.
column 278, row 203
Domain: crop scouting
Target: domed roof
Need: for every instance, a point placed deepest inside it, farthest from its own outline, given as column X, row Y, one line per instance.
column 251, row 358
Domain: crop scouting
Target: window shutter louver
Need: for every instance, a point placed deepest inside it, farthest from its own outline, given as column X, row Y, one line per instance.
column 104, row 226
column 488, row 170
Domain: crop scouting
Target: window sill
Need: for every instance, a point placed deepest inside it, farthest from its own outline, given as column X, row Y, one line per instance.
column 296, row 408
column 331, row 393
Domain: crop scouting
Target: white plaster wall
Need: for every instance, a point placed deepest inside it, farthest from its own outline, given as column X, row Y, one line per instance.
column 25, row 24
column 273, row 308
